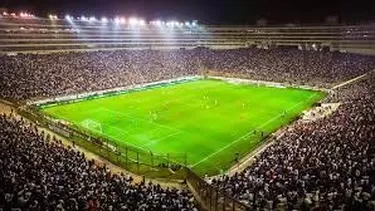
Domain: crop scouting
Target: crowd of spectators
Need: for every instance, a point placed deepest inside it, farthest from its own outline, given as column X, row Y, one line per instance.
column 40, row 75
column 26, row 76
column 39, row 173
column 327, row 164
column 291, row 65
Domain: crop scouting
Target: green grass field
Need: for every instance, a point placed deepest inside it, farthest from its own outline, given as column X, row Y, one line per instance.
column 209, row 120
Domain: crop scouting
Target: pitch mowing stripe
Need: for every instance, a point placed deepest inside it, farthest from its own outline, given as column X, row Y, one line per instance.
column 247, row 134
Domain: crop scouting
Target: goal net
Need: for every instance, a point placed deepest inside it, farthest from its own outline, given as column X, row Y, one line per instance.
column 92, row 125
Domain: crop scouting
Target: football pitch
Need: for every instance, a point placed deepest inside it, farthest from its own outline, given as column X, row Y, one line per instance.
column 212, row 121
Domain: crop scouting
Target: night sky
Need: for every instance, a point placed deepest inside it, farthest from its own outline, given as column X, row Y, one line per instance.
column 208, row 11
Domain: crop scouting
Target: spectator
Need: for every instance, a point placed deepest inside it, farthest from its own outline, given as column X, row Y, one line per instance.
column 28, row 76
column 39, row 173
column 327, row 164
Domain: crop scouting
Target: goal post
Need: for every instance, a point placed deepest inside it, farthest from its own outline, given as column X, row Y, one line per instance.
column 92, row 125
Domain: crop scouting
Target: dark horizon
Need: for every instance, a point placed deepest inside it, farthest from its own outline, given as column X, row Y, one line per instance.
column 207, row 11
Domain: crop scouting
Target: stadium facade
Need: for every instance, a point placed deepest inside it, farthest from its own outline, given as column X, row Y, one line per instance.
column 45, row 35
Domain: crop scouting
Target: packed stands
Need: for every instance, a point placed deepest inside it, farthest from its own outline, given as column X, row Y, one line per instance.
column 39, row 173
column 43, row 75
column 326, row 164
column 288, row 64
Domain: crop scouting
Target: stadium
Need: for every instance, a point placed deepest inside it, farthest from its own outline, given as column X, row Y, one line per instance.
column 126, row 114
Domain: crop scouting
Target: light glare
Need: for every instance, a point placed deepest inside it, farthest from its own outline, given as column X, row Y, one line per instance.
column 83, row 18
column 52, row 17
column 133, row 21
column 68, row 18
column 122, row 20
column 158, row 23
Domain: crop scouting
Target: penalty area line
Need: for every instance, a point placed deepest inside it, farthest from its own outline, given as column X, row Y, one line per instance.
column 160, row 139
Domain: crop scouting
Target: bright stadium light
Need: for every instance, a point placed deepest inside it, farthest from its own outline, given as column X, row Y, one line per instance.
column 158, row 23
column 142, row 22
column 5, row 13
column 122, row 20
column 117, row 20
column 52, row 17
column 25, row 15
column 187, row 23
column 104, row 20
column 133, row 21
column 92, row 19
column 68, row 18
column 83, row 18
column 170, row 23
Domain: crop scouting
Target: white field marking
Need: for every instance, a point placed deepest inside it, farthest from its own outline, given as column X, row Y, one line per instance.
column 178, row 100
column 118, row 129
column 127, row 143
column 152, row 142
column 352, row 80
column 141, row 119
column 118, row 139
column 115, row 138
column 247, row 134
column 108, row 125
column 160, row 139
column 130, row 131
